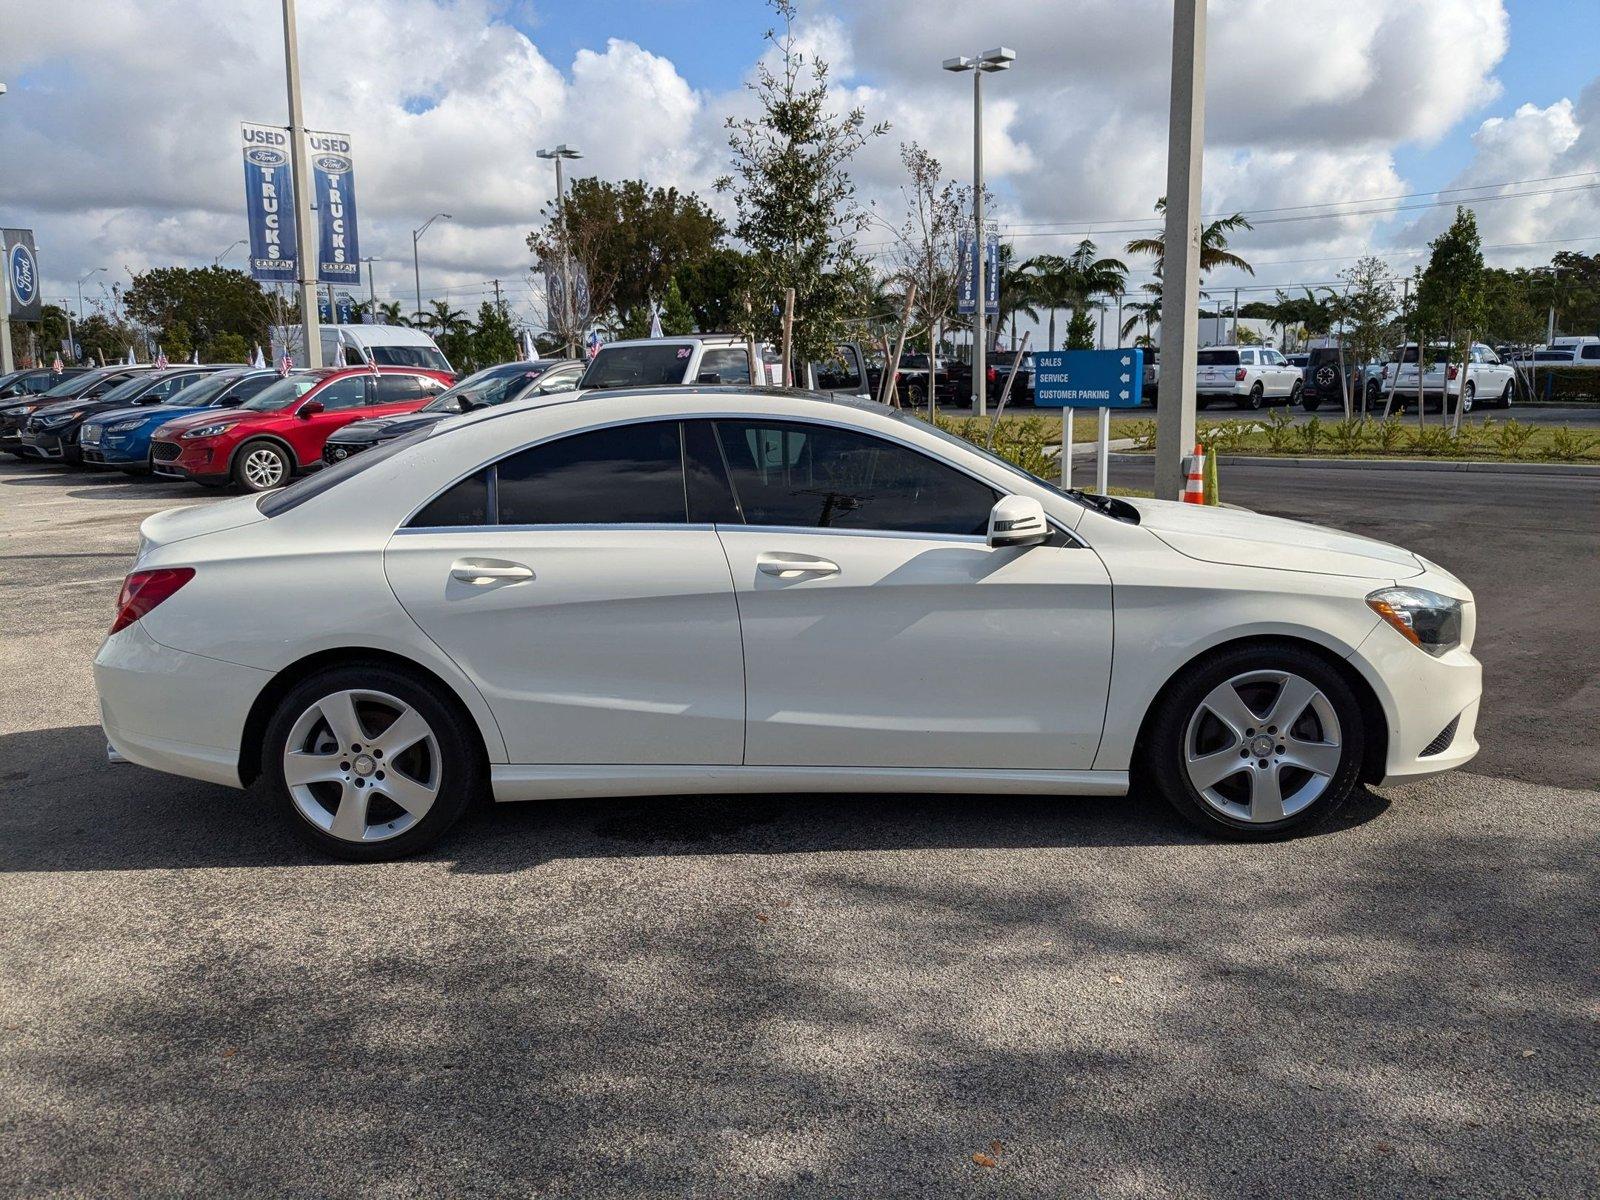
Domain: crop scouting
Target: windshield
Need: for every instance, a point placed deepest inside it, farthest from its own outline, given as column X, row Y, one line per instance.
column 493, row 385
column 68, row 388
column 638, row 366
column 124, row 393
column 198, row 395
column 410, row 356
column 281, row 394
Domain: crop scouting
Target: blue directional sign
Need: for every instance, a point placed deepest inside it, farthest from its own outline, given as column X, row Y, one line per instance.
column 1087, row 378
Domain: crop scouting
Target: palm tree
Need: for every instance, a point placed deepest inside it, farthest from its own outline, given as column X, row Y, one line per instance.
column 1075, row 281
column 1050, row 285
column 1018, row 295
column 1144, row 312
column 443, row 319
column 389, row 314
column 1214, row 250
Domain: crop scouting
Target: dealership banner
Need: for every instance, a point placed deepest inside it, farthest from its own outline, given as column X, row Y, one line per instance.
column 338, row 252
column 22, row 275
column 269, row 202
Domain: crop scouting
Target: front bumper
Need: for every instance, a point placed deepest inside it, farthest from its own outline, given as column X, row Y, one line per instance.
column 173, row 711
column 337, row 452
column 105, row 448
column 1431, row 704
column 201, row 459
column 44, row 443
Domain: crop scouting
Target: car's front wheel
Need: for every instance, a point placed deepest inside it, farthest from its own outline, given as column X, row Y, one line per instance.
column 261, row 466
column 368, row 763
column 1257, row 742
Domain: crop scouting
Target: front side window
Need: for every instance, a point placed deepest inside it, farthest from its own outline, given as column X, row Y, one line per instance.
column 822, row 477
column 724, row 366
column 349, row 392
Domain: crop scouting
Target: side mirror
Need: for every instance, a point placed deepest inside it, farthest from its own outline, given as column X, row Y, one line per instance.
column 1017, row 521
column 310, row 409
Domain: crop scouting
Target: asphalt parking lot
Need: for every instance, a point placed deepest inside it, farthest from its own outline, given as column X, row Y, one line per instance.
column 803, row 995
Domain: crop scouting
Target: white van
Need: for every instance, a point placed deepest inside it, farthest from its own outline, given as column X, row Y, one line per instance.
column 391, row 345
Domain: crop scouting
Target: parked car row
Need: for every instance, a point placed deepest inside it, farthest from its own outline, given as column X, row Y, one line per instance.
column 225, row 424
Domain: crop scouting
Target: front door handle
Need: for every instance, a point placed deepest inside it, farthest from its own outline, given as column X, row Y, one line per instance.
column 484, row 571
column 792, row 566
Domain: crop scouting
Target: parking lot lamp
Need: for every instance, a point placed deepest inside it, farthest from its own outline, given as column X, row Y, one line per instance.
column 564, row 151
column 416, row 270
column 217, row 261
column 81, row 282
column 998, row 59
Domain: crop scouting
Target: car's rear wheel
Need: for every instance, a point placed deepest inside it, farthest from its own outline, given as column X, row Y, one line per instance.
column 368, row 763
column 261, row 466
column 1295, row 393
column 1257, row 743
column 1505, row 395
column 1255, row 399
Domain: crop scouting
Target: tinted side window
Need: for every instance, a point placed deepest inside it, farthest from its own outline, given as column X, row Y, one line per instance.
column 349, row 392
column 396, row 389
column 465, row 503
column 247, row 388
column 838, row 374
column 818, row 476
column 1591, row 352
column 625, row 475
column 729, row 366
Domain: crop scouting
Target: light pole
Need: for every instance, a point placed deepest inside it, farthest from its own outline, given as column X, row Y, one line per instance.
column 6, row 363
column 217, row 261
column 305, row 249
column 416, row 270
column 81, row 282
column 564, row 151
column 998, row 59
column 372, row 290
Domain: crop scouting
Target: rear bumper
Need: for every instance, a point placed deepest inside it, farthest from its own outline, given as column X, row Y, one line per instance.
column 173, row 711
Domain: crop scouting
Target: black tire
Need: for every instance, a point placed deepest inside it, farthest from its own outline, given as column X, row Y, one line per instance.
column 461, row 772
column 1309, row 403
column 914, row 395
column 1469, row 393
column 1164, row 748
column 249, row 471
column 1255, row 399
column 1505, row 395
column 1295, row 394
column 1200, row 402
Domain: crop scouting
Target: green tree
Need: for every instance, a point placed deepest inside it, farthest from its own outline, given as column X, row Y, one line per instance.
column 1080, row 330
column 927, row 246
column 1367, row 306
column 1078, row 281
column 1573, row 285
column 1018, row 295
column 630, row 238
column 226, row 348
column 492, row 340
column 193, row 305
column 1214, row 250
column 796, row 205
column 1450, row 294
column 715, row 288
column 676, row 318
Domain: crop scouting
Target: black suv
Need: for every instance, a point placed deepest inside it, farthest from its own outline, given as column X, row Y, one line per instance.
column 1326, row 381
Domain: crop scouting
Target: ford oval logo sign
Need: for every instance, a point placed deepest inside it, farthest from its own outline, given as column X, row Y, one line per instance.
column 24, row 275
column 262, row 156
column 333, row 164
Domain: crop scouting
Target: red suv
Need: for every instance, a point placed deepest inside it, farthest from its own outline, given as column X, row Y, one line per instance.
column 280, row 430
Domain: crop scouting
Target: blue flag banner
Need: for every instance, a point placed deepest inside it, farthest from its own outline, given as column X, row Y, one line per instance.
column 966, row 294
column 269, row 203
column 21, row 275
column 1087, row 378
column 332, row 169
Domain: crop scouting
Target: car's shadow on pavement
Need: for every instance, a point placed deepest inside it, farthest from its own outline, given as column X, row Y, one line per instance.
column 63, row 807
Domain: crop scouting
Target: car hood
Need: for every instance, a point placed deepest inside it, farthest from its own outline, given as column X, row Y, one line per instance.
column 178, row 524
column 1238, row 537
column 146, row 411
column 56, row 407
column 377, row 428
column 210, row 416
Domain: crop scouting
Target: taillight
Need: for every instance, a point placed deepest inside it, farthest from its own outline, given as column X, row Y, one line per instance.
column 992, row 374
column 1239, row 375
column 1454, row 371
column 143, row 590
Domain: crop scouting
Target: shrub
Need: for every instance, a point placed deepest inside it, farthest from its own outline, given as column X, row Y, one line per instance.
column 1512, row 438
column 1280, row 430
column 1431, row 439
column 1388, row 434
column 1568, row 444
column 1347, row 436
column 1311, row 434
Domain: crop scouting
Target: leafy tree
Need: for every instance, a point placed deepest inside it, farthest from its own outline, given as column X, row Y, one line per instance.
column 1574, row 286
column 1143, row 312
column 927, row 243
column 633, row 239
column 796, row 205
column 1450, row 294
column 1366, row 307
column 716, row 289
column 1080, row 330
column 676, row 318
column 226, row 348
column 492, row 340
column 193, row 305
column 1214, row 250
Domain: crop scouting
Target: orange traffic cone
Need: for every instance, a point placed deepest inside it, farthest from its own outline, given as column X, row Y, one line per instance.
column 1194, row 487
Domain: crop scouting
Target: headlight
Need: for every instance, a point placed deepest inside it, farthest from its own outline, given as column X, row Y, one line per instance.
column 1426, row 619
column 210, row 430
column 122, row 425
column 55, row 420
column 24, row 410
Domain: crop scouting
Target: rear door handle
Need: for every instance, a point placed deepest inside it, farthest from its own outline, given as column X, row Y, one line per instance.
column 790, row 566
column 483, row 572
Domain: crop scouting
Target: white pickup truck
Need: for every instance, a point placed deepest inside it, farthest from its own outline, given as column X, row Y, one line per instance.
column 1488, row 381
column 713, row 358
column 1250, row 376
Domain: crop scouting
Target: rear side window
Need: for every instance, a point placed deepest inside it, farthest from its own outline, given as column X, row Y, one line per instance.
column 1217, row 358
column 465, row 503
column 728, row 366
column 396, row 389
column 409, row 356
column 822, row 477
column 625, row 475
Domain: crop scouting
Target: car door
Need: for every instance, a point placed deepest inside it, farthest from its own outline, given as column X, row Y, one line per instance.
column 341, row 401
column 566, row 581
column 881, row 630
column 1283, row 375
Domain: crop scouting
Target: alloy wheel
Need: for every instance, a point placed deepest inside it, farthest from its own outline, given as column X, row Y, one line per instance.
column 362, row 766
column 1262, row 746
column 263, row 469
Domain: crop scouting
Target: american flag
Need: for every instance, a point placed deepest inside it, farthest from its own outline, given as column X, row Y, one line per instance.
column 366, row 353
column 593, row 343
column 55, row 365
column 285, row 364
column 161, row 363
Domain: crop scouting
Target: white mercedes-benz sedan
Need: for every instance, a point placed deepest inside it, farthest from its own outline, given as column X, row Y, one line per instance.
column 734, row 590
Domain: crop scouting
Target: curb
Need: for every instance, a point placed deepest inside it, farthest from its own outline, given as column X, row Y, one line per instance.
column 1401, row 464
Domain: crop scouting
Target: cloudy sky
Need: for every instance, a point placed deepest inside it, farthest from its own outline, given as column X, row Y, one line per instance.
column 119, row 136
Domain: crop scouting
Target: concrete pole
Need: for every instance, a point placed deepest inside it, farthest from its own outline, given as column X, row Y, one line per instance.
column 1181, row 264
column 7, row 362
column 305, row 248
column 566, row 263
column 980, row 316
